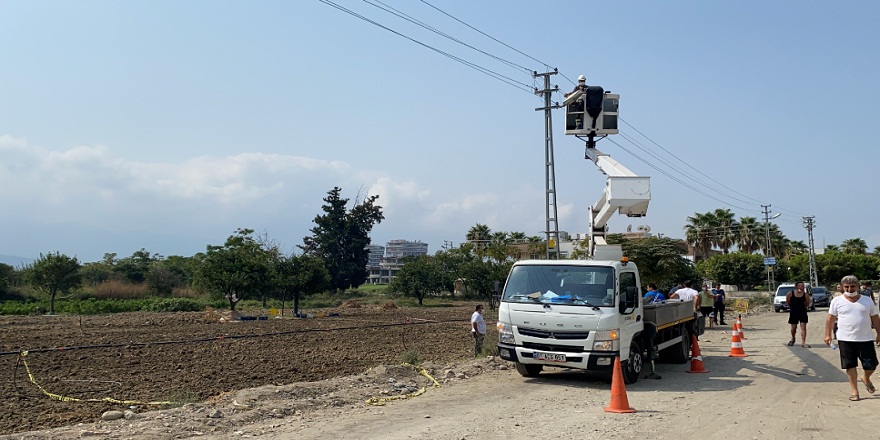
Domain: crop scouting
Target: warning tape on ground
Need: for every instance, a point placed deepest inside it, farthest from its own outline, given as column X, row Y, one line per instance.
column 379, row 401
column 61, row 398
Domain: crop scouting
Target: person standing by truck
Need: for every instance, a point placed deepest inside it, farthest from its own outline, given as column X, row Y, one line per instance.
column 653, row 295
column 855, row 315
column 798, row 303
column 478, row 329
column 706, row 301
column 720, row 297
column 686, row 293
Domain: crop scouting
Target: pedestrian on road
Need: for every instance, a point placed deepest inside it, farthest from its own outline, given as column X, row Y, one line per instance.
column 855, row 315
column 798, row 303
column 867, row 290
column 720, row 297
column 478, row 329
column 706, row 308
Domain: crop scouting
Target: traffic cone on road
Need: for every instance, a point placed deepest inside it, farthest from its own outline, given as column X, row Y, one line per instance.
column 739, row 326
column 736, row 345
column 619, row 402
column 696, row 358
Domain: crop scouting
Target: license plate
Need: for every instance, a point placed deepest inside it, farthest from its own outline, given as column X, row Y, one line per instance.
column 548, row 356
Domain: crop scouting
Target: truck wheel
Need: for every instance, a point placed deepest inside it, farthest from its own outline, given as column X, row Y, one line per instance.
column 681, row 352
column 632, row 367
column 528, row 370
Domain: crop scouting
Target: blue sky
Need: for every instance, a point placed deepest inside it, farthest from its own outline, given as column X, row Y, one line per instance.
column 166, row 125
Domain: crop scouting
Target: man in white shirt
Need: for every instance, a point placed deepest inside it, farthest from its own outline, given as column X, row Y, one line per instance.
column 478, row 329
column 688, row 294
column 855, row 314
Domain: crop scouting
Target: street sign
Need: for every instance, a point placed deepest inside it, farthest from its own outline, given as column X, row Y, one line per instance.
column 769, row 261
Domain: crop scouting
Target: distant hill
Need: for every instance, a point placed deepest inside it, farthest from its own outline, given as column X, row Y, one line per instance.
column 14, row 261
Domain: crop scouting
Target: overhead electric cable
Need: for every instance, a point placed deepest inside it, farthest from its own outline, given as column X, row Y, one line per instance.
column 688, row 165
column 406, row 17
column 672, row 166
column 510, row 81
column 487, row 35
column 676, row 178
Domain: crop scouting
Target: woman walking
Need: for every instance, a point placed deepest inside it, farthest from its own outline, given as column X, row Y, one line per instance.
column 798, row 303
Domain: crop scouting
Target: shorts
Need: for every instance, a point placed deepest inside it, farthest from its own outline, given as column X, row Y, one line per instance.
column 852, row 352
column 796, row 317
column 705, row 311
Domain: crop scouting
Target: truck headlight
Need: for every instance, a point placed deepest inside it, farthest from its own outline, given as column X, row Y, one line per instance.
column 505, row 333
column 604, row 345
column 607, row 340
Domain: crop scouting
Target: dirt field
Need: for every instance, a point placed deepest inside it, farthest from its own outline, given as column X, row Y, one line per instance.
column 777, row 392
column 193, row 357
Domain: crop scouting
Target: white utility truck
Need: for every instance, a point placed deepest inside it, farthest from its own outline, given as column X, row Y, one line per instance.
column 583, row 313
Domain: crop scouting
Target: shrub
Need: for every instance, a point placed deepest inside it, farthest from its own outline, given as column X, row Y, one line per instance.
column 176, row 305
column 411, row 357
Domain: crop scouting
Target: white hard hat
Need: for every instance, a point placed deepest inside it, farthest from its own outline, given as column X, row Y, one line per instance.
column 582, row 78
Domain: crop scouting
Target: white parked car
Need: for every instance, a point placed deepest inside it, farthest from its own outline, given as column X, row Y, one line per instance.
column 779, row 304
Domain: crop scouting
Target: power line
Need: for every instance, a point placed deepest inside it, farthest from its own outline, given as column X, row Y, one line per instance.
column 547, row 66
column 510, row 81
column 406, row 17
column 690, row 166
column 673, row 177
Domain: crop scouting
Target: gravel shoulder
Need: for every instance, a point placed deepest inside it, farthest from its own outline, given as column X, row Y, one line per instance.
column 776, row 392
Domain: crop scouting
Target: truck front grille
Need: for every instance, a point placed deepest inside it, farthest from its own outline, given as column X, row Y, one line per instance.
column 553, row 347
column 552, row 335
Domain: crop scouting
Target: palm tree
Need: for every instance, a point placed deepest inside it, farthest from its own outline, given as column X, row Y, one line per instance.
column 797, row 248
column 726, row 229
column 854, row 246
column 499, row 238
column 699, row 232
column 479, row 235
column 749, row 234
column 517, row 237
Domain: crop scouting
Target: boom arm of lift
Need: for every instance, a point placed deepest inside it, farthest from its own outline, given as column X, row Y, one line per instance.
column 625, row 192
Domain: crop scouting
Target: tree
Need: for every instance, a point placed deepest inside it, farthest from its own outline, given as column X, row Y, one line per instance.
column 7, row 275
column 660, row 260
column 726, row 229
column 238, row 268
column 700, row 231
column 53, row 274
column 340, row 238
column 418, row 277
column 135, row 268
column 297, row 276
column 479, row 235
column 854, row 246
column 749, row 235
column 738, row 268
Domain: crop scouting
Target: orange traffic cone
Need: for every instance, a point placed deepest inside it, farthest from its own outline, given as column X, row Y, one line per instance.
column 619, row 402
column 736, row 345
column 696, row 358
column 739, row 326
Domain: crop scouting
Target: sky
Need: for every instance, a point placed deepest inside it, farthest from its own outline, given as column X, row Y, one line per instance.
column 166, row 125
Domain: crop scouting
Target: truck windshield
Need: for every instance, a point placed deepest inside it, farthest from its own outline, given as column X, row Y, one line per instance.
column 574, row 285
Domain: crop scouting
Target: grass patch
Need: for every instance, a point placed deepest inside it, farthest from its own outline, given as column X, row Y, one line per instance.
column 412, row 357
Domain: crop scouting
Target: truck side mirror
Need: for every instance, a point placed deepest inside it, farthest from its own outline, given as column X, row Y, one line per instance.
column 629, row 300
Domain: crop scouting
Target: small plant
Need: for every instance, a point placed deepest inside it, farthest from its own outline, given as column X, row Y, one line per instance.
column 411, row 357
column 490, row 344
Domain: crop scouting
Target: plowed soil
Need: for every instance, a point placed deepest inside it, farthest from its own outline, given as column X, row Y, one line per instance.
column 192, row 357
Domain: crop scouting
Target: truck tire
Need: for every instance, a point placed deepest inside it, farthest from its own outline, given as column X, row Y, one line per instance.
column 528, row 370
column 679, row 353
column 632, row 366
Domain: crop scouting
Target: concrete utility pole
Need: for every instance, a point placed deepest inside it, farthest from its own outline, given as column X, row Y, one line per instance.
column 551, row 229
column 810, row 223
column 768, row 251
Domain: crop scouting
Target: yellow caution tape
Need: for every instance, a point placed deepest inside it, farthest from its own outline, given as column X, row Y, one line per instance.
column 380, row 401
column 61, row 398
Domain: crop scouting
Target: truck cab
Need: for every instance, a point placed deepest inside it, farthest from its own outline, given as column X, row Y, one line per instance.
column 574, row 314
